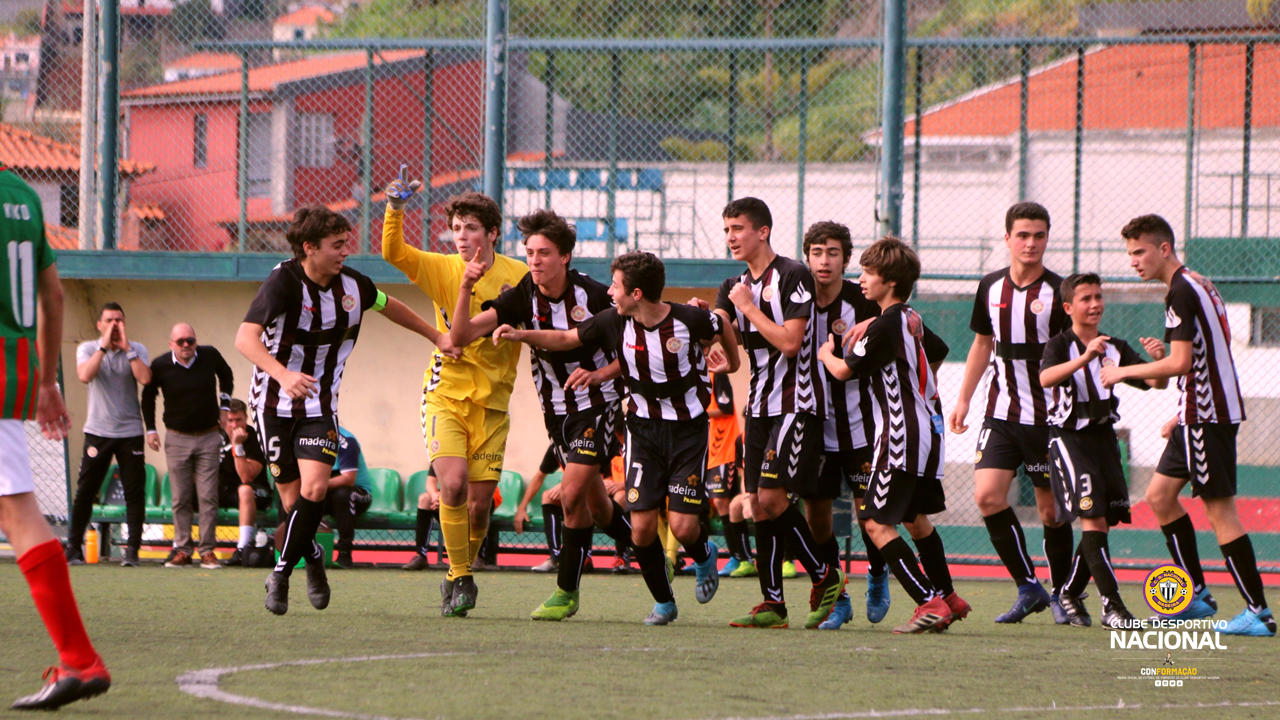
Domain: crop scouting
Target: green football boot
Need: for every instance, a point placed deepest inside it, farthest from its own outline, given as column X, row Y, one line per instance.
column 764, row 615
column 823, row 597
column 746, row 569
column 562, row 605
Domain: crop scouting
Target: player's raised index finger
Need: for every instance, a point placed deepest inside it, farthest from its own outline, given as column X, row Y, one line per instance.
column 403, row 167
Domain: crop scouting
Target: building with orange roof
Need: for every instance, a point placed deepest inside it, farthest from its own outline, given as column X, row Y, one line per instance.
column 305, row 23
column 200, row 64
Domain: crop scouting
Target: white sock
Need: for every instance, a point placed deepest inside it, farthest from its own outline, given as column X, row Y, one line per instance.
column 246, row 536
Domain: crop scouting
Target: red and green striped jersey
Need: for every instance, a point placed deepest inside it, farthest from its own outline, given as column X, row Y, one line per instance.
column 24, row 252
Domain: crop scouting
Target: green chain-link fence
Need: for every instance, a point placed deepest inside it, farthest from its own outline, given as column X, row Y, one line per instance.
column 639, row 120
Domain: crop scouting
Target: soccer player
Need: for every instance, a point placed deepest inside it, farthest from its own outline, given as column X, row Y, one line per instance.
column 723, row 483
column 1015, row 312
column 1087, row 475
column 659, row 347
column 895, row 362
column 30, row 335
column 464, row 400
column 839, row 306
column 771, row 305
column 580, row 415
column 1202, row 437
column 298, row 333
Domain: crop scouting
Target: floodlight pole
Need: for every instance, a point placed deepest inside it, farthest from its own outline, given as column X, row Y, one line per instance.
column 495, row 111
column 892, row 116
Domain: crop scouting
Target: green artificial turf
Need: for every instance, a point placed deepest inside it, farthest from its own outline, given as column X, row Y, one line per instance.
column 152, row 625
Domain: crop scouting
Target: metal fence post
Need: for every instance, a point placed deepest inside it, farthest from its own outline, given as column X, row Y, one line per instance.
column 611, row 195
column 893, row 102
column 549, row 124
column 1191, row 140
column 242, row 154
column 1023, row 95
column 1075, row 225
column 802, row 150
column 1248, row 139
column 109, row 99
column 366, row 154
column 915, row 160
column 428, row 141
column 88, row 128
column 733, row 119
column 495, row 110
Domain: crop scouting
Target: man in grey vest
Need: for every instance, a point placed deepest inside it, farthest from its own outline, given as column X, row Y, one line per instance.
column 113, row 368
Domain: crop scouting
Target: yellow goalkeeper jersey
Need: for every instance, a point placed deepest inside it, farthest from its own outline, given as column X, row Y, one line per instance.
column 485, row 374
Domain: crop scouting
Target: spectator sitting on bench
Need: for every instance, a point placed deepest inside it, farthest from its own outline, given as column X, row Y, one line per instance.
column 242, row 475
column 349, row 494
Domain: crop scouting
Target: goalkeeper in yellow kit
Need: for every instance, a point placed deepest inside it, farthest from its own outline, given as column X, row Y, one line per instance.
column 464, row 400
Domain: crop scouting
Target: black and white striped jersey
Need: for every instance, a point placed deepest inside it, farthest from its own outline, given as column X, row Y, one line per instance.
column 525, row 306
column 664, row 369
column 1020, row 320
column 1194, row 312
column 779, row 385
column 1081, row 401
column 848, row 425
column 309, row 329
column 893, row 361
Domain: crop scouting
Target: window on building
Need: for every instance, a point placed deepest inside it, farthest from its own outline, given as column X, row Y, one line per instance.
column 200, row 141
column 1266, row 326
column 315, row 140
column 21, row 58
column 260, row 155
column 69, row 206
column 299, row 34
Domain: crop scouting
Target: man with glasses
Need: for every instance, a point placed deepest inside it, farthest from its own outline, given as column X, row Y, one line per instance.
column 197, row 384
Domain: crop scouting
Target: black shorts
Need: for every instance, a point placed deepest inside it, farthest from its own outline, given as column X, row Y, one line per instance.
column 852, row 468
column 666, row 461
column 585, row 438
column 1087, row 475
column 1004, row 445
column 1205, row 454
column 722, row 482
column 229, row 496
column 781, row 451
column 895, row 496
column 285, row 441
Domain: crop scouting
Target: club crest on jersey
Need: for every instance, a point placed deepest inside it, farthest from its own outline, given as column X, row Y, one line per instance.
column 1086, row 503
column 977, row 457
column 349, row 302
column 434, row 447
column 692, row 479
column 91, row 451
column 1168, row 589
column 275, row 470
column 578, row 313
column 769, row 455
column 1171, row 319
column 768, row 294
column 866, row 468
column 1037, row 306
column 589, row 433
column 674, row 345
column 1107, row 362
column 633, row 495
column 839, row 326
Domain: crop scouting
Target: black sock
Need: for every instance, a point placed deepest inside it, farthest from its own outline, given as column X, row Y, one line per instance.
column 1081, row 571
column 875, row 561
column 619, row 528
column 933, row 559
column 731, row 540
column 769, row 564
column 653, row 566
column 553, row 526
column 1244, row 568
column 744, row 538
column 1059, row 546
column 699, row 551
column 1094, row 548
column 902, row 562
column 300, row 535
column 1010, row 544
column 422, row 531
column 829, row 551
column 797, row 529
column 577, row 543
column 1180, row 538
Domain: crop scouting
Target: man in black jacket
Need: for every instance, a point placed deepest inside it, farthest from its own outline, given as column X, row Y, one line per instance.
column 197, row 383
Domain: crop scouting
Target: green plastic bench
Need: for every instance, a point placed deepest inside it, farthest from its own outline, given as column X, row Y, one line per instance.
column 512, row 488
column 111, row 513
column 388, row 497
column 535, row 503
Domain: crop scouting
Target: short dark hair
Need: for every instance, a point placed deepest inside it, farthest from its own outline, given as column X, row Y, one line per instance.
column 752, row 209
column 551, row 226
column 641, row 270
column 821, row 232
column 1025, row 211
column 236, row 405
column 312, row 224
column 895, row 261
column 476, row 205
column 1069, row 284
column 110, row 306
column 1149, row 225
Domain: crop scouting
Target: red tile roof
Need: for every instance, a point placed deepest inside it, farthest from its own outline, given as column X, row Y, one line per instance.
column 62, row 238
column 74, row 7
column 206, row 61
column 147, row 211
column 307, row 15
column 24, row 150
column 1135, row 87
column 267, row 78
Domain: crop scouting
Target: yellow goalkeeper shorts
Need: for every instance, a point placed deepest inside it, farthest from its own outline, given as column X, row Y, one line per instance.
column 464, row 429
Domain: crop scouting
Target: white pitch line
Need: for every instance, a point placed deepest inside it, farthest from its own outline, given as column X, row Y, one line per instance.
column 204, row 684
